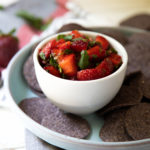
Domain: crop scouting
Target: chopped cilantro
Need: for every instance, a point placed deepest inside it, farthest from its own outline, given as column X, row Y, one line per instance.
column 92, row 43
column 42, row 55
column 60, row 36
column 94, row 56
column 60, row 69
column 113, row 50
column 68, row 37
column 84, row 60
column 110, row 51
column 53, row 62
column 65, row 37
column 68, row 51
column 86, row 37
column 80, row 38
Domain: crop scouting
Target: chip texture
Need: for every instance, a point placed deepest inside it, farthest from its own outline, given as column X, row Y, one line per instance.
column 71, row 26
column 127, row 96
column 67, row 124
column 113, row 129
column 141, row 21
column 116, row 35
column 139, row 59
column 137, row 121
column 140, row 38
column 29, row 74
column 37, row 108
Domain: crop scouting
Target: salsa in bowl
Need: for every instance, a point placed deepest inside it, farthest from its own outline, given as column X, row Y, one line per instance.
column 76, row 95
column 76, row 56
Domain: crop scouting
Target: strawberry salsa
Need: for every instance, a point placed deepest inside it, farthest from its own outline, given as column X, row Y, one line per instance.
column 79, row 57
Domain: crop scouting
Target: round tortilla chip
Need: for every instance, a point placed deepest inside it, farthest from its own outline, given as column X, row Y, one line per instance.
column 40, row 94
column 38, row 108
column 137, row 79
column 70, row 27
column 67, row 124
column 140, row 38
column 146, row 89
column 29, row 74
column 137, row 121
column 113, row 129
column 116, row 35
column 127, row 96
column 141, row 21
column 139, row 59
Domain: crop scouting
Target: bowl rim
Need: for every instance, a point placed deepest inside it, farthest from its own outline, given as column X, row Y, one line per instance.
column 90, row 33
column 59, row 136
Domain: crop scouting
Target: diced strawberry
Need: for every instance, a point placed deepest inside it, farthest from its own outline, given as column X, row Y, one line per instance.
column 68, row 65
column 116, row 59
column 105, row 68
column 76, row 34
column 65, row 45
column 79, row 45
column 56, row 52
column 8, row 47
column 104, row 43
column 47, row 48
column 52, row 70
column 96, row 52
column 59, row 42
column 87, row 74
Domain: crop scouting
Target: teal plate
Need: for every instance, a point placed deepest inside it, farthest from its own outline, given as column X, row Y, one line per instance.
column 17, row 89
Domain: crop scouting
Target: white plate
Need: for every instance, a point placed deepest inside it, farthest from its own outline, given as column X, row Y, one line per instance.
column 17, row 89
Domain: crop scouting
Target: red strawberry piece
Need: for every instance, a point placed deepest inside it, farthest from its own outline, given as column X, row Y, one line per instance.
column 104, row 43
column 56, row 52
column 105, row 68
column 65, row 45
column 97, row 52
column 8, row 47
column 116, row 59
column 76, row 34
column 79, row 45
column 47, row 48
column 68, row 65
column 59, row 42
column 52, row 70
column 87, row 74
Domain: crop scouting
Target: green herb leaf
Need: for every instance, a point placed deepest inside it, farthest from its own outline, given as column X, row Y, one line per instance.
column 84, row 60
column 60, row 69
column 65, row 37
column 113, row 50
column 1, row 7
column 92, row 43
column 60, row 36
column 68, row 37
column 46, row 24
column 42, row 55
column 12, row 31
column 80, row 38
column 53, row 62
column 110, row 51
column 34, row 21
column 94, row 56
column 68, row 51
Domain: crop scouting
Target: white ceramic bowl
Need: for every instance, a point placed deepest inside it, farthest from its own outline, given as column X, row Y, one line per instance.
column 81, row 97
